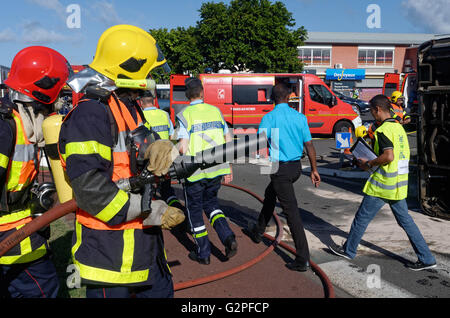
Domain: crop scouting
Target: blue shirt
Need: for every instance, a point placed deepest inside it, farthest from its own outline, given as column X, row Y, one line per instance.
column 287, row 131
column 182, row 132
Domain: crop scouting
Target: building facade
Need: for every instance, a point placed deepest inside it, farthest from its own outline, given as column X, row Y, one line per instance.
column 352, row 62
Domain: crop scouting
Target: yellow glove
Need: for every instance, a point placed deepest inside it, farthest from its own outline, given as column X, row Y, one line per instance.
column 160, row 155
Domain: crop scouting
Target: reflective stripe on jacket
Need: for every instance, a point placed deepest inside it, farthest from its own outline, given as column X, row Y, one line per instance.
column 120, row 254
column 205, row 125
column 20, row 175
column 158, row 120
column 391, row 181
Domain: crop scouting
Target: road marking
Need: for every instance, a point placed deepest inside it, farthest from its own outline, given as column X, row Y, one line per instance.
column 357, row 282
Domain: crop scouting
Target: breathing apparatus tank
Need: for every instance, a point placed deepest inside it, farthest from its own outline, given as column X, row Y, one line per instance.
column 51, row 128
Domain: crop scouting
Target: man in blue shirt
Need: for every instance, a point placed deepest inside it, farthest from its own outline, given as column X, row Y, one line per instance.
column 288, row 132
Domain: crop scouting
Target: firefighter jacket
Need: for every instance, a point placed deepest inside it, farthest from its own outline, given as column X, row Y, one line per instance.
column 398, row 113
column 18, row 169
column 106, row 247
column 390, row 181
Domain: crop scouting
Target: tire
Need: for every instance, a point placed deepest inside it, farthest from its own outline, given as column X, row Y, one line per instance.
column 343, row 126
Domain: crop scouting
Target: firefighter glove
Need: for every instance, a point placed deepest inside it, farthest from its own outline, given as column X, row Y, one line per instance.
column 163, row 215
column 160, row 155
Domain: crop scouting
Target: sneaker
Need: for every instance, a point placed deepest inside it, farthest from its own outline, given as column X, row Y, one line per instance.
column 230, row 246
column 339, row 251
column 294, row 266
column 253, row 233
column 193, row 256
column 418, row 266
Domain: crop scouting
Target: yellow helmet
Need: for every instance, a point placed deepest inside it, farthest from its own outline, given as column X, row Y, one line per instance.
column 126, row 51
column 361, row 131
column 395, row 96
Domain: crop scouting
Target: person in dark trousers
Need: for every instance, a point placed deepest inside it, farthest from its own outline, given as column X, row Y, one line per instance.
column 288, row 132
column 388, row 183
column 202, row 126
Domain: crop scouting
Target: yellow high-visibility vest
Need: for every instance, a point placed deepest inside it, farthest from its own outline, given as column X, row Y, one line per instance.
column 391, row 181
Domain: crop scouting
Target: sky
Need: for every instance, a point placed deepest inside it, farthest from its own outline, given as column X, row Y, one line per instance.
column 73, row 27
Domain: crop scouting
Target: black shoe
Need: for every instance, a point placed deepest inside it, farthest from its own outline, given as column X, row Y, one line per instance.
column 299, row 267
column 230, row 246
column 339, row 250
column 253, row 233
column 418, row 266
column 193, row 256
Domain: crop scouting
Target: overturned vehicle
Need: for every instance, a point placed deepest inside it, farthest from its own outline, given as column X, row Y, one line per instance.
column 433, row 127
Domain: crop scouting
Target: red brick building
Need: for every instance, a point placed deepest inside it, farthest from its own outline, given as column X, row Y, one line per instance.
column 375, row 53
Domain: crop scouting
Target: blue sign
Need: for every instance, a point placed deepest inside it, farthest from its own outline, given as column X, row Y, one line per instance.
column 345, row 74
column 343, row 140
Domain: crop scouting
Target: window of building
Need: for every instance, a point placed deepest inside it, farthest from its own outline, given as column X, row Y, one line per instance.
column 315, row 55
column 376, row 57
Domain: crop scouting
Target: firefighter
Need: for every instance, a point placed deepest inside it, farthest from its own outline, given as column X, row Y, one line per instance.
column 202, row 126
column 118, row 245
column 397, row 109
column 35, row 81
column 160, row 122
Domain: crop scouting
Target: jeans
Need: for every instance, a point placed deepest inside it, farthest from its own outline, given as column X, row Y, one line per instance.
column 367, row 211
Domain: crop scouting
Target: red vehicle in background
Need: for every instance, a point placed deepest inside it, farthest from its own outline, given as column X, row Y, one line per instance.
column 245, row 98
column 406, row 83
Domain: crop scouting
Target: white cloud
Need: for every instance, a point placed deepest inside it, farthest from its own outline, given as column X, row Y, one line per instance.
column 34, row 33
column 433, row 15
column 7, row 35
column 53, row 5
column 106, row 13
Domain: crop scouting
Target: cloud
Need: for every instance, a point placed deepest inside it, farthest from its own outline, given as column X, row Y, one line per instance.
column 432, row 15
column 7, row 35
column 34, row 33
column 53, row 5
column 106, row 13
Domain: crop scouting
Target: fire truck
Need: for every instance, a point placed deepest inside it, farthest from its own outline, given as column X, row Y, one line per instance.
column 433, row 127
column 245, row 98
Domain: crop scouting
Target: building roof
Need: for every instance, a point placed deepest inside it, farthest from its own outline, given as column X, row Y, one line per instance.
column 368, row 38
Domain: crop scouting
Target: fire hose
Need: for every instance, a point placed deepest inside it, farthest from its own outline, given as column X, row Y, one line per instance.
column 182, row 168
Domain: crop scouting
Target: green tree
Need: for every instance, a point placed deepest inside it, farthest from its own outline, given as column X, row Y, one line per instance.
column 180, row 48
column 254, row 35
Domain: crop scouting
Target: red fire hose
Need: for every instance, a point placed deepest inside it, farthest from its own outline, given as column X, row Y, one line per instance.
column 70, row 206
column 328, row 287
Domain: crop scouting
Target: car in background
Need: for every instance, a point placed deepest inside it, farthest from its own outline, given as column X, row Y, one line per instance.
column 363, row 106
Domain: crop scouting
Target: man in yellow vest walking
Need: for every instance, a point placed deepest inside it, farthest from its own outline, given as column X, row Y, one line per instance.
column 202, row 126
column 160, row 122
column 388, row 183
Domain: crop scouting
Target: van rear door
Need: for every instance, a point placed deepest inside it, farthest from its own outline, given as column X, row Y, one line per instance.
column 178, row 100
column 391, row 83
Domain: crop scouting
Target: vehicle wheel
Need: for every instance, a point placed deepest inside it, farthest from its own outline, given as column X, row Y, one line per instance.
column 343, row 126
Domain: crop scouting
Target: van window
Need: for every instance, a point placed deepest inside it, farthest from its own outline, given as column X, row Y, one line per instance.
column 179, row 93
column 320, row 94
column 252, row 94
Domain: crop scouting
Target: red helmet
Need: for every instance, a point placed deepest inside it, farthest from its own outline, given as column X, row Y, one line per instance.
column 38, row 72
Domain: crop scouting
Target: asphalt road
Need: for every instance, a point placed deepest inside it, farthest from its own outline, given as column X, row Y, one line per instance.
column 379, row 269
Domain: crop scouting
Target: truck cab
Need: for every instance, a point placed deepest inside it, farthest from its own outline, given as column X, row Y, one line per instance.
column 245, row 98
column 433, row 127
